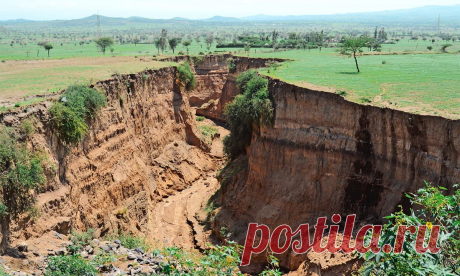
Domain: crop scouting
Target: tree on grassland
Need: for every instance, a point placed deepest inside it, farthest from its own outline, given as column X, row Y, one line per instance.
column 354, row 45
column 104, row 43
column 186, row 44
column 173, row 43
column 48, row 47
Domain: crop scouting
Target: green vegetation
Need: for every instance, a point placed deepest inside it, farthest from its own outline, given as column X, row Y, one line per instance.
column 199, row 118
column 219, row 260
column 405, row 80
column 210, row 131
column 131, row 242
column 249, row 110
column 70, row 265
column 103, row 43
column 185, row 76
column 22, row 172
column 48, row 47
column 354, row 46
column 28, row 127
column 68, row 116
column 432, row 207
column 80, row 240
column 231, row 65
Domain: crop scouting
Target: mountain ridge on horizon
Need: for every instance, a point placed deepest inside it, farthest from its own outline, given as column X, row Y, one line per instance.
column 419, row 13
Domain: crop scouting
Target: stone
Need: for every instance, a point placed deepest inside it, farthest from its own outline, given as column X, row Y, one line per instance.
column 84, row 254
column 60, row 251
column 105, row 247
column 23, row 247
column 131, row 256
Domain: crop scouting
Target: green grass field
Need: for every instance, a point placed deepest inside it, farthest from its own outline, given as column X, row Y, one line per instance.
column 23, row 78
column 420, row 83
column 405, row 75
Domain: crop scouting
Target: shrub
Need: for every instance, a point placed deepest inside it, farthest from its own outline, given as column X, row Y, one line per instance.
column 21, row 173
column 199, row 118
column 70, row 127
column 68, row 116
column 84, row 100
column 209, row 130
column 231, row 65
column 69, row 266
column 384, row 62
column 27, row 127
column 342, row 93
column 185, row 76
column 365, row 100
column 251, row 109
column 432, row 208
column 131, row 242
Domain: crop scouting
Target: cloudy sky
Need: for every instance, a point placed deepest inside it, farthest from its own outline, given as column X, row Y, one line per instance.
column 195, row 9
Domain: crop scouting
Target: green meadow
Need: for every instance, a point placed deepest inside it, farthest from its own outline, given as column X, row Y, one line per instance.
column 423, row 83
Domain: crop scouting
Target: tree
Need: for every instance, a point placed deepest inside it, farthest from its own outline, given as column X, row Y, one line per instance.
column 21, row 172
column 430, row 48
column 163, row 40
column 48, row 47
column 104, row 43
column 186, row 44
column 158, row 44
column 209, row 40
column 444, row 47
column 354, row 45
column 247, row 48
column 173, row 43
column 136, row 40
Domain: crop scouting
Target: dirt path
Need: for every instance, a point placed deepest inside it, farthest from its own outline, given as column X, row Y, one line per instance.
column 175, row 222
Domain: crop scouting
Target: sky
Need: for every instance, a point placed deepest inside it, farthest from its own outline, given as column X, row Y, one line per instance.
column 195, row 9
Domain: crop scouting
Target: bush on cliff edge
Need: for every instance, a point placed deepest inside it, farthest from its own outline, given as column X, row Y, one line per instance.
column 68, row 116
column 247, row 111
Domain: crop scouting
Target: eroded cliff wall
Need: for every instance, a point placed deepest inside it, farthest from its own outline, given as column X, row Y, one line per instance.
column 325, row 155
column 216, row 86
column 142, row 147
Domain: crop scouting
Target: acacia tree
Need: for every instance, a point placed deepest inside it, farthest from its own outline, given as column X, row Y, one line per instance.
column 354, row 45
column 173, row 43
column 186, row 44
column 209, row 40
column 104, row 43
column 48, row 47
column 444, row 47
column 163, row 40
column 21, row 172
column 158, row 44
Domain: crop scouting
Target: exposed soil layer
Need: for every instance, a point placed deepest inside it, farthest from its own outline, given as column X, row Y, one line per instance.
column 325, row 155
column 145, row 168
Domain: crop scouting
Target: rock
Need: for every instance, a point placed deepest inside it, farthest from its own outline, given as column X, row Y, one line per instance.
column 60, row 251
column 105, row 247
column 58, row 235
column 148, row 270
column 117, row 242
column 122, row 251
column 96, row 242
column 23, row 247
column 89, row 249
column 139, row 249
column 131, row 256
column 84, row 254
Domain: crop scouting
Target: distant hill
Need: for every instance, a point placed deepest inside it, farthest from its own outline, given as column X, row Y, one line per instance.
column 426, row 15
column 421, row 14
column 222, row 19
